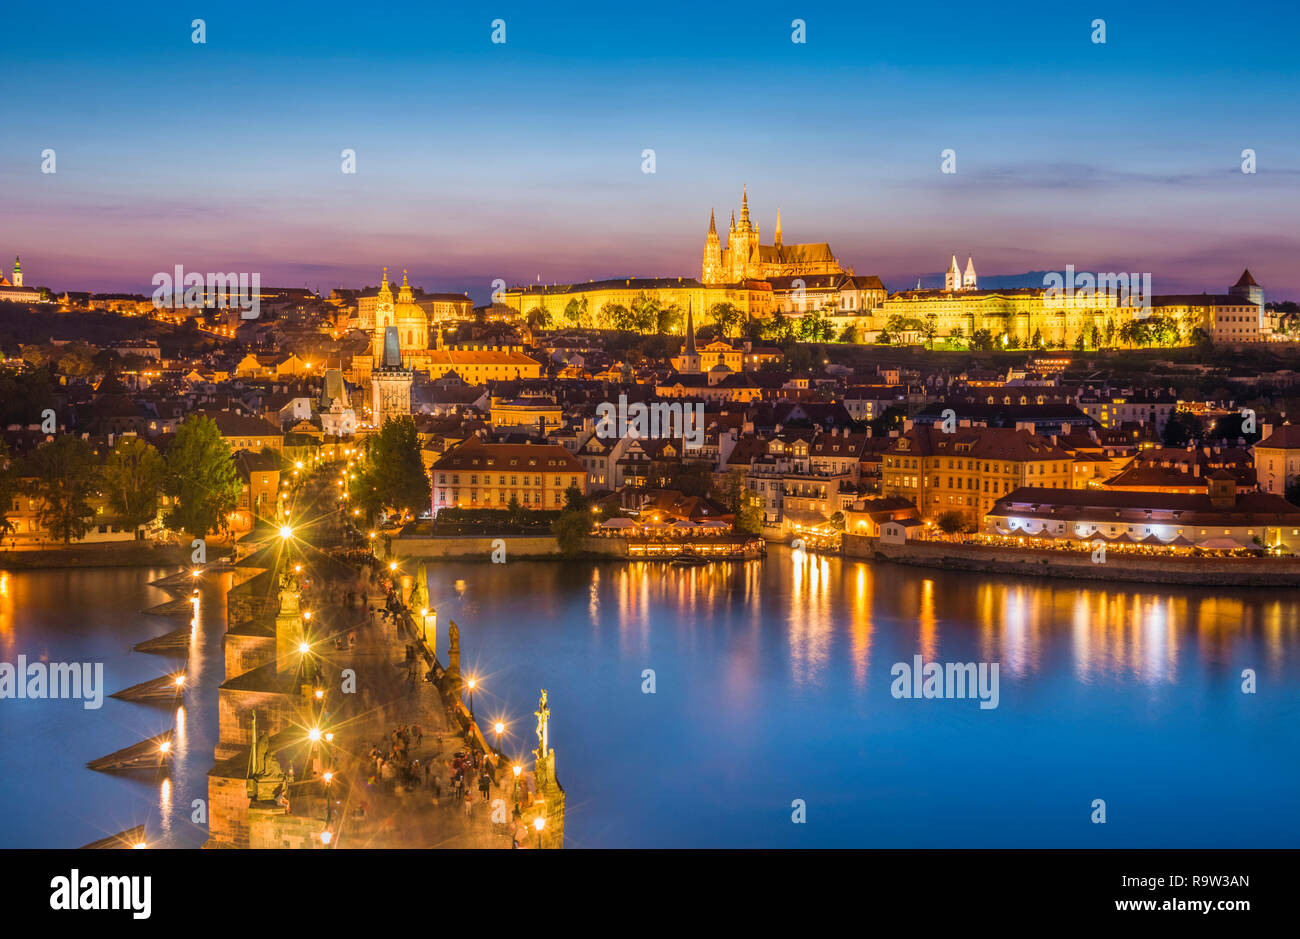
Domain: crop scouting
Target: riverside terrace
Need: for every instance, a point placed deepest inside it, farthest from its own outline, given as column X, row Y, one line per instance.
column 325, row 688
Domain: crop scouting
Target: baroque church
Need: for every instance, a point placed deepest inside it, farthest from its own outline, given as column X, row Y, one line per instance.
column 744, row 258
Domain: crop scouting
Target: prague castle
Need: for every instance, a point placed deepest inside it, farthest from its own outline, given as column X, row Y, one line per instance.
column 756, row 279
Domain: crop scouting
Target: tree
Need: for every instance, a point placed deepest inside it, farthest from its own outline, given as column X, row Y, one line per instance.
column 538, row 318
column 749, row 515
column 930, row 329
column 815, row 326
column 615, row 316
column 63, row 475
column 951, row 522
column 570, row 528
column 575, row 311
column 727, row 317
column 671, row 318
column 201, row 478
column 1293, row 491
column 575, row 501
column 9, row 489
column 981, row 340
column 394, row 475
column 645, row 313
column 133, row 478
column 1180, row 428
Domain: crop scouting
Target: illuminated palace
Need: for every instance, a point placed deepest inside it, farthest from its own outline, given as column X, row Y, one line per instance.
column 961, row 308
column 755, row 278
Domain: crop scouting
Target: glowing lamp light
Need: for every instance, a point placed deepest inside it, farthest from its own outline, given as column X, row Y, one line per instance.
column 165, row 746
column 196, row 572
column 472, row 682
column 325, row 837
column 306, row 614
column 518, row 769
column 314, row 734
column 539, row 823
column 286, row 531
column 139, row 844
column 180, row 680
column 498, row 727
column 328, row 777
column 329, row 738
column 304, row 648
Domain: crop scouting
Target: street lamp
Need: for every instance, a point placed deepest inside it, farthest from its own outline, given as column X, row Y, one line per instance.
column 471, row 683
column 539, row 823
column 499, row 727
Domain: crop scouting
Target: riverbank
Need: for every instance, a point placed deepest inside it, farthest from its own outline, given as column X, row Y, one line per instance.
column 103, row 554
column 1078, row 565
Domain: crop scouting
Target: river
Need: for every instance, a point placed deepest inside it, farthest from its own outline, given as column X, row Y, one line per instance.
column 771, row 699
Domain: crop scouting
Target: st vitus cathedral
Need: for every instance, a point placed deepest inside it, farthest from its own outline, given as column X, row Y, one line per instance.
column 744, row 258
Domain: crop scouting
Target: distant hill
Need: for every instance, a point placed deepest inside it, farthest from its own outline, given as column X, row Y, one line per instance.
column 20, row 324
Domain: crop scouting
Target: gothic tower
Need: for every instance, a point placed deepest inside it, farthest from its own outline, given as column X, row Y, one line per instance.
column 777, row 235
column 968, row 280
column 18, row 273
column 743, row 245
column 390, row 383
column 711, row 272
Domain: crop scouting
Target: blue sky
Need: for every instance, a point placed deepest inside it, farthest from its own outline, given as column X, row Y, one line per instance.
column 521, row 160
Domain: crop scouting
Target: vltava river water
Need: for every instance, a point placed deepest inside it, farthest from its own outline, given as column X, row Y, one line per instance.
column 772, row 683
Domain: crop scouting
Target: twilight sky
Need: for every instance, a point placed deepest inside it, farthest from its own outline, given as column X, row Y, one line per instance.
column 477, row 161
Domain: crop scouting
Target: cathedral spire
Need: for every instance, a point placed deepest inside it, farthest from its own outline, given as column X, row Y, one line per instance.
column 713, row 226
column 778, row 229
column 690, row 331
column 744, row 208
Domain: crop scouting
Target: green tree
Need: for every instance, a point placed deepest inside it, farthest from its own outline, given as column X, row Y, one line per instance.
column 575, row 311
column 727, row 318
column 201, row 479
column 930, row 329
column 981, row 340
column 671, row 318
column 749, row 515
column 133, row 478
column 644, row 315
column 575, row 501
column 815, row 326
column 394, row 476
column 538, row 318
column 63, row 475
column 615, row 316
column 570, row 528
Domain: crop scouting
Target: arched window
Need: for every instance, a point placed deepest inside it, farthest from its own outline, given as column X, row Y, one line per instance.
column 410, row 338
